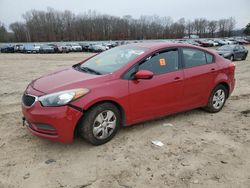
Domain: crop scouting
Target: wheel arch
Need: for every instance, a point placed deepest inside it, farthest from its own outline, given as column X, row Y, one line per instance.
column 222, row 79
column 119, row 106
column 225, row 84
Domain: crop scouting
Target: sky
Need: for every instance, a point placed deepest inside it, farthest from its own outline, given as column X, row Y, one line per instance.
column 12, row 10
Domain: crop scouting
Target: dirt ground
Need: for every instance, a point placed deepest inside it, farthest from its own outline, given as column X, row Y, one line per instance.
column 200, row 149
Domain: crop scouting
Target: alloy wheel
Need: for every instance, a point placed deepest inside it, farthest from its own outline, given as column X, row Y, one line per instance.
column 219, row 99
column 104, row 124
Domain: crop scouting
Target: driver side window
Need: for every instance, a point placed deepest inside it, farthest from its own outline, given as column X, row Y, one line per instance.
column 161, row 62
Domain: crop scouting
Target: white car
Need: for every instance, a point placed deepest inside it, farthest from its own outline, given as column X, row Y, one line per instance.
column 228, row 41
column 99, row 48
column 37, row 47
column 75, row 47
column 214, row 43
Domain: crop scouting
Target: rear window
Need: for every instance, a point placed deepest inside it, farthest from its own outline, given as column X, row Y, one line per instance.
column 194, row 57
column 210, row 58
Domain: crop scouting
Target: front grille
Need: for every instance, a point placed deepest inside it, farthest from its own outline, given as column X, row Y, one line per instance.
column 28, row 100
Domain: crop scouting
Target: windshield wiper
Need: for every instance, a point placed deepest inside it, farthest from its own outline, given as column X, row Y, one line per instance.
column 87, row 69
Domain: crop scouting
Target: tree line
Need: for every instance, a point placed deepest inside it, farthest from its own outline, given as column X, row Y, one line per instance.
column 53, row 25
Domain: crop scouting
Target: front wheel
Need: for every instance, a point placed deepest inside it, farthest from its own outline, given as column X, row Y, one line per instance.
column 217, row 99
column 100, row 123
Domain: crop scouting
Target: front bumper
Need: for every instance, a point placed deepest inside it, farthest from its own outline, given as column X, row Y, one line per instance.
column 62, row 120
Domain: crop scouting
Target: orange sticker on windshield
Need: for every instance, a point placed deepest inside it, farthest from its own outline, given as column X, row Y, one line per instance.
column 98, row 61
column 162, row 62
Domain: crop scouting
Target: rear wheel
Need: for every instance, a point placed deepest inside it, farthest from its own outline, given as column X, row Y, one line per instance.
column 100, row 123
column 244, row 57
column 217, row 99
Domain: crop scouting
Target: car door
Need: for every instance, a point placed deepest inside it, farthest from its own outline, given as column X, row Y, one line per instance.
column 163, row 93
column 242, row 51
column 237, row 52
column 200, row 71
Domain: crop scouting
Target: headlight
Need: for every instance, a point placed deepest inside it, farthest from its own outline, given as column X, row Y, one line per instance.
column 226, row 55
column 63, row 97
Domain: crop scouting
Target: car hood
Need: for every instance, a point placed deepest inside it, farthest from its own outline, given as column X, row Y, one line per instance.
column 67, row 79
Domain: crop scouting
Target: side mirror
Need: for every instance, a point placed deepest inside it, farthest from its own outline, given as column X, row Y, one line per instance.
column 144, row 74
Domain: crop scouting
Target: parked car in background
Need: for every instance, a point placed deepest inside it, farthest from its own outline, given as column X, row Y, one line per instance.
column 204, row 43
column 37, row 47
column 7, row 48
column 247, row 38
column 45, row 48
column 74, row 47
column 229, row 41
column 18, row 47
column 124, row 86
column 220, row 42
column 62, row 48
column 54, row 46
column 90, row 47
column 242, row 41
column 213, row 43
column 98, row 48
column 193, row 43
column 233, row 52
column 85, row 47
column 30, row 48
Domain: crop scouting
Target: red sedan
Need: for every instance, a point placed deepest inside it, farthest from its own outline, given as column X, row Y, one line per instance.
column 124, row 86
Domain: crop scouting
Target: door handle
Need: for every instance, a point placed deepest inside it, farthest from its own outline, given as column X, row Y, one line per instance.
column 177, row 78
column 212, row 69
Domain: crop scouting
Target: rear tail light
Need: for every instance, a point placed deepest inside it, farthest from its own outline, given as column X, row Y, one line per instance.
column 231, row 68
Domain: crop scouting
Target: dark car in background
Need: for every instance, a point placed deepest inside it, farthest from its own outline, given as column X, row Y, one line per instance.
column 55, row 47
column 85, row 47
column 233, row 52
column 45, row 48
column 7, row 48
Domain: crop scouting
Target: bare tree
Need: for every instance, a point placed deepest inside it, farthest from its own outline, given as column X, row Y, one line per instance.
column 212, row 27
column 3, row 33
column 20, row 32
column 52, row 25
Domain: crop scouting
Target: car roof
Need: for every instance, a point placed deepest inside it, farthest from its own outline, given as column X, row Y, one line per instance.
column 159, row 45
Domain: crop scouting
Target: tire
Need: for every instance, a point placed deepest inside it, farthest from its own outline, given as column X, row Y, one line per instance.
column 244, row 57
column 217, row 99
column 96, row 127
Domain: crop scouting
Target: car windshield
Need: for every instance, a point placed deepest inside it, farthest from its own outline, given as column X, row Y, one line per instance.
column 227, row 47
column 113, row 59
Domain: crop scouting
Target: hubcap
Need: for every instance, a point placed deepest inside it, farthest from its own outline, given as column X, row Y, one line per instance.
column 219, row 99
column 104, row 124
